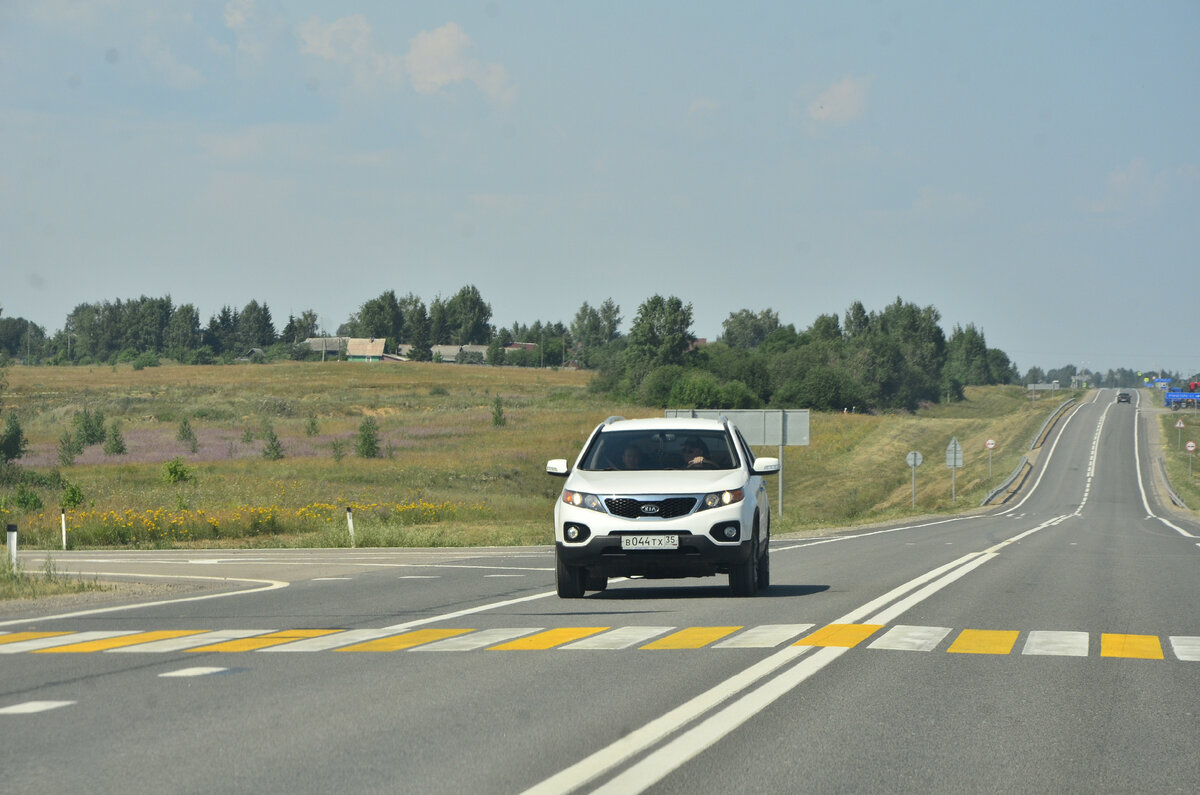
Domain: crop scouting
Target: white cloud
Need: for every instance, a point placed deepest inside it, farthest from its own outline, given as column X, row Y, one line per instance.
column 237, row 12
column 348, row 41
column 436, row 58
column 842, row 102
column 1133, row 187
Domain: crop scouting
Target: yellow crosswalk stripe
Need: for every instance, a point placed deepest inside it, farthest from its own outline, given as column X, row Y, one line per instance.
column 839, row 635
column 263, row 641
column 984, row 641
column 692, row 638
column 1138, row 647
column 407, row 640
column 115, row 643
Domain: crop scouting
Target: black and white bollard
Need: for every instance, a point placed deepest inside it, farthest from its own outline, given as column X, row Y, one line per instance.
column 12, row 544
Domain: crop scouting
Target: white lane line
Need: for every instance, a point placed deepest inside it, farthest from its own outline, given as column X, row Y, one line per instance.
column 1061, row 644
column 191, row 641
column 32, row 707
column 619, row 638
column 1137, row 467
column 330, row 579
column 270, row 585
column 764, row 636
column 188, row 672
column 910, row 638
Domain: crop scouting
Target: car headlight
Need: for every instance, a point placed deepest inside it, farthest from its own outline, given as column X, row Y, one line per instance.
column 581, row 500
column 719, row 498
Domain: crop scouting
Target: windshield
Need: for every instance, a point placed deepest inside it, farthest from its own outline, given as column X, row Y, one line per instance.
column 660, row 450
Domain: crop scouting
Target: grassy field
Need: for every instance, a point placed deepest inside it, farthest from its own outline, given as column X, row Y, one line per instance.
column 462, row 455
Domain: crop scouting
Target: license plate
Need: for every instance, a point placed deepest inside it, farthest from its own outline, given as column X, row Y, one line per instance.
column 650, row 542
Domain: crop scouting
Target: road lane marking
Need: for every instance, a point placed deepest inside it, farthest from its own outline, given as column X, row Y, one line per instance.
column 548, row 639
column 619, row 638
column 845, row 636
column 205, row 670
column 479, row 640
column 16, row 637
column 263, row 641
column 909, row 638
column 105, row 644
column 1061, row 644
column 33, row 707
column 1186, row 648
column 984, row 641
column 691, row 638
column 764, row 636
column 37, row 644
column 191, row 642
column 1138, row 647
column 406, row 640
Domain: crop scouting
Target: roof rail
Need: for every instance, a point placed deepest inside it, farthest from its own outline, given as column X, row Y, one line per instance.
column 613, row 419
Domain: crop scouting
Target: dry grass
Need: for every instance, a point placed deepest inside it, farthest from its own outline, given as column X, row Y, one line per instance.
column 448, row 475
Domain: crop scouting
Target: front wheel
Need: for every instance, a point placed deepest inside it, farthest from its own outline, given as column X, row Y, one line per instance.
column 743, row 578
column 764, row 570
column 568, row 580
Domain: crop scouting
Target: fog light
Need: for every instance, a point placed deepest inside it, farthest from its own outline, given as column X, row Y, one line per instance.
column 730, row 532
column 575, row 533
column 572, row 533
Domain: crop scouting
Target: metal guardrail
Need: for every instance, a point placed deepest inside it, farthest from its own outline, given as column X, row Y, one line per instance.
column 1175, row 498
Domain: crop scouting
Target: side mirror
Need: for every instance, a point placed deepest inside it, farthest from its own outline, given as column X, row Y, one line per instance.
column 765, row 466
column 557, row 466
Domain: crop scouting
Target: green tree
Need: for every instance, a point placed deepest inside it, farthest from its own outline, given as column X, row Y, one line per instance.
column 12, row 443
column 114, row 441
column 255, row 328
column 746, row 330
column 381, row 317
column 660, row 334
column 418, row 329
column 273, row 449
column 186, row 435
column 468, row 318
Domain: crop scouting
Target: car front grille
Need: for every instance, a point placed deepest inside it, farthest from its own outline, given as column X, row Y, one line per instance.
column 665, row 508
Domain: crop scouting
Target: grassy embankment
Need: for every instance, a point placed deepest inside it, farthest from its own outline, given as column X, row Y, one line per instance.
column 1183, row 469
column 450, row 474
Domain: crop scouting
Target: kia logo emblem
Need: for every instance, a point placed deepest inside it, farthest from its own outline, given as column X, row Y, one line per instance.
column 649, row 508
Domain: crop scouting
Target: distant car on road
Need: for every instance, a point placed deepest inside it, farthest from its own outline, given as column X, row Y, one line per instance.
column 1123, row 397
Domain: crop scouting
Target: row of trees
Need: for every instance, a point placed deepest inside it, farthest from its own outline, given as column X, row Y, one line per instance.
column 894, row 358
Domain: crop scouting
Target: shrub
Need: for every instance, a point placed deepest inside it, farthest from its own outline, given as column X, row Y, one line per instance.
column 175, row 471
column 89, row 428
column 72, row 496
column 12, row 443
column 310, row 427
column 368, row 439
column 498, row 419
column 27, row 499
column 145, row 360
column 114, row 442
column 273, row 449
column 68, row 448
column 187, row 435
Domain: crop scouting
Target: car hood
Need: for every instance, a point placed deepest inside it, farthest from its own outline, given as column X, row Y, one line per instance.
column 657, row 482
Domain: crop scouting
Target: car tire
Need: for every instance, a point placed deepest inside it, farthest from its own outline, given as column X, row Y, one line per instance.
column 764, row 570
column 595, row 582
column 568, row 580
column 743, row 577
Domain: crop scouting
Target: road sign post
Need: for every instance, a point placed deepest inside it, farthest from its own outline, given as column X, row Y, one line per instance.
column 1179, row 433
column 914, row 460
column 990, row 444
column 954, row 460
column 1191, row 448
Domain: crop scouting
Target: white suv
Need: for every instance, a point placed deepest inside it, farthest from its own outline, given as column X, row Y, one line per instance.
column 663, row 498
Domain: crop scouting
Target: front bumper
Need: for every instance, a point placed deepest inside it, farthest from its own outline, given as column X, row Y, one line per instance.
column 697, row 556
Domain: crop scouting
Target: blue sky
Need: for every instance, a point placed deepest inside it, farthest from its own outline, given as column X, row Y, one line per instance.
column 1029, row 167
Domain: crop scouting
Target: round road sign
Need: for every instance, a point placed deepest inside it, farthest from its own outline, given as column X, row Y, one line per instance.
column 1191, row 447
column 914, row 459
column 990, row 444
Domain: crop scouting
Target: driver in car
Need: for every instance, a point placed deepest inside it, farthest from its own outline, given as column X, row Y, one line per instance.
column 695, row 453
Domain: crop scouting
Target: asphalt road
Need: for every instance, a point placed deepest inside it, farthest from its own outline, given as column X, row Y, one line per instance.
column 1052, row 644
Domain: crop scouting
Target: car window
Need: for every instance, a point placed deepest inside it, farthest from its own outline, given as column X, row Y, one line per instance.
column 660, row 450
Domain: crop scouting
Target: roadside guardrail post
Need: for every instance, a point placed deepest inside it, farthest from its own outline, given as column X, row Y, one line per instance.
column 350, row 524
column 12, row 544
